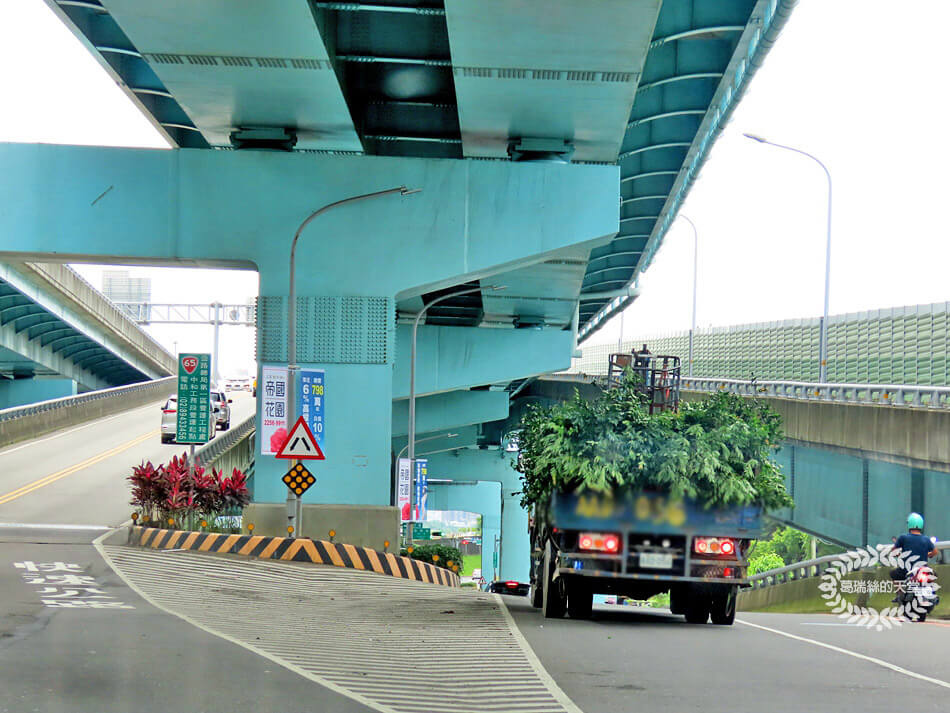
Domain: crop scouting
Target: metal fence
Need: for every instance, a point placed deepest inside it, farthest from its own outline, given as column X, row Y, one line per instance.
column 813, row 568
column 232, row 449
column 910, row 396
column 902, row 345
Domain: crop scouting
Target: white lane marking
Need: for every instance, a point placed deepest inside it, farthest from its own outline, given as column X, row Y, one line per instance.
column 539, row 669
column 41, row 526
column 97, row 543
column 353, row 644
column 821, row 623
column 847, row 652
column 28, row 444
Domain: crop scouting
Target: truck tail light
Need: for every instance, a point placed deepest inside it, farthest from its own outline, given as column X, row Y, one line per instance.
column 714, row 546
column 599, row 542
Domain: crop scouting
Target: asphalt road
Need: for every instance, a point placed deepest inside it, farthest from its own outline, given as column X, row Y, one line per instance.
column 77, row 476
column 119, row 653
column 635, row 659
column 60, row 492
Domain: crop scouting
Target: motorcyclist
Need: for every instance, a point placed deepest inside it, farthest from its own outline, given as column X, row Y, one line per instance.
column 914, row 542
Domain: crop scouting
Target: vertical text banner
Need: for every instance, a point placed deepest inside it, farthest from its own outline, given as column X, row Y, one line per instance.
column 402, row 489
column 273, row 395
column 422, row 489
column 312, row 396
column 194, row 398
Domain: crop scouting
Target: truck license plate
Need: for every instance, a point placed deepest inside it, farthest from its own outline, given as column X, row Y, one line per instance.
column 654, row 560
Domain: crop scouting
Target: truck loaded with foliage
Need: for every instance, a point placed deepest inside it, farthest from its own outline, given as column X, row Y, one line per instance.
column 626, row 498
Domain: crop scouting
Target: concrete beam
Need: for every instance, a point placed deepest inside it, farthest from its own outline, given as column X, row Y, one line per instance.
column 451, row 410
column 437, row 442
column 241, row 208
column 450, row 358
column 907, row 436
column 466, row 438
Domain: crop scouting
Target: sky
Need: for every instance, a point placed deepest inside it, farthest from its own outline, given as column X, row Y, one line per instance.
column 855, row 82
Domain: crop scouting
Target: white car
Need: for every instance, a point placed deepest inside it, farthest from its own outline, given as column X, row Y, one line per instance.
column 170, row 420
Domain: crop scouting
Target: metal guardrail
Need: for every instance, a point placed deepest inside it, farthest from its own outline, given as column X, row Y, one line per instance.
column 813, row 568
column 908, row 396
column 159, row 386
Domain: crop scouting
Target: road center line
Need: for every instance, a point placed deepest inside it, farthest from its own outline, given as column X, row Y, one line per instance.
column 59, row 475
column 855, row 654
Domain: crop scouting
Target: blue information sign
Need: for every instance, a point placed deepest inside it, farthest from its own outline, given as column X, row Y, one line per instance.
column 312, row 388
column 422, row 489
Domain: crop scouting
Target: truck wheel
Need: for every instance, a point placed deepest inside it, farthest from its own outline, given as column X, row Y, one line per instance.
column 553, row 599
column 580, row 600
column 678, row 600
column 536, row 598
column 723, row 608
column 697, row 609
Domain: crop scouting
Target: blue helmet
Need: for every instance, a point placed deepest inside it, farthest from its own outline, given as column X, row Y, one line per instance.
column 915, row 521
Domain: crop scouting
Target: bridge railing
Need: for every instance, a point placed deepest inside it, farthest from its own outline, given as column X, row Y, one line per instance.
column 814, row 568
column 232, row 449
column 19, row 423
column 908, row 396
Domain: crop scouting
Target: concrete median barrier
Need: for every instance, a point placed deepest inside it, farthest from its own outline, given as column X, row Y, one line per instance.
column 294, row 550
column 22, row 423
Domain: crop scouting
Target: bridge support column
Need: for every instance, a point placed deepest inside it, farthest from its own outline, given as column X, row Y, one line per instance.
column 479, row 497
column 468, row 465
column 352, row 340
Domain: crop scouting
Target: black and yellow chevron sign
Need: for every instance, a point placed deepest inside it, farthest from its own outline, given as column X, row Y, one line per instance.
column 299, row 479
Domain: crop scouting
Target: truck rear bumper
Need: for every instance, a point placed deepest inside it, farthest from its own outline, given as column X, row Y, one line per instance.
column 652, row 577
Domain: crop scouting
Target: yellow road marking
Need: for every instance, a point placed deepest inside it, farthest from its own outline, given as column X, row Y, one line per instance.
column 58, row 475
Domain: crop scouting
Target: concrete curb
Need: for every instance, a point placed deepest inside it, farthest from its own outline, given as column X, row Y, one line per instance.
column 293, row 550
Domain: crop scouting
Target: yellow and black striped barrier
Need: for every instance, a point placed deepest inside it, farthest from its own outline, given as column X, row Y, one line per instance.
column 295, row 550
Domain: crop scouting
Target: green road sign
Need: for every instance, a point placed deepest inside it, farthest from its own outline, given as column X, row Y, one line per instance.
column 421, row 533
column 194, row 398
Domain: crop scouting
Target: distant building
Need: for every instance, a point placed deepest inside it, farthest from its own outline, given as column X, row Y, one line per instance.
column 131, row 294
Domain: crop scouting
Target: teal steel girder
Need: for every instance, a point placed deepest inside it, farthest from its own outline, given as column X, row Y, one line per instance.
column 48, row 335
column 92, row 24
column 450, row 358
column 448, row 411
column 700, row 62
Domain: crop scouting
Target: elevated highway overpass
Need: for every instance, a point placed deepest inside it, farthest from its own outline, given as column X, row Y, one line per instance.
column 59, row 336
column 552, row 150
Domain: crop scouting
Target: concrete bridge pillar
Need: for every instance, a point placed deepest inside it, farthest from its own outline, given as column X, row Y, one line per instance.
column 482, row 497
column 467, row 465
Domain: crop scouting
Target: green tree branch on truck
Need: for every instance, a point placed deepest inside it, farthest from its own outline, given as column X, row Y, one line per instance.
column 634, row 499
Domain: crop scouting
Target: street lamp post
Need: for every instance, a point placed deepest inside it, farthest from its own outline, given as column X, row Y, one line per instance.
column 692, row 328
column 293, row 370
column 412, row 387
column 823, row 326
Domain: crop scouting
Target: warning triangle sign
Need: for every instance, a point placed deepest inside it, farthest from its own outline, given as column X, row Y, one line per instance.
column 301, row 444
